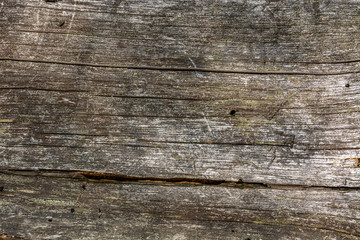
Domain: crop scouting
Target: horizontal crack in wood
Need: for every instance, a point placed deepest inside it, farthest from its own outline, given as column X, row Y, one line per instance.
column 43, row 89
column 184, row 69
column 104, row 177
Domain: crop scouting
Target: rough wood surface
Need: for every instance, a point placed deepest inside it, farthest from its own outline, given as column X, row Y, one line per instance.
column 287, row 129
column 249, row 94
column 309, row 36
column 70, row 208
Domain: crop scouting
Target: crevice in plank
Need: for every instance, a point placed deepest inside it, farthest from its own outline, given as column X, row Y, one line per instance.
column 222, row 143
column 156, row 142
column 106, row 177
column 40, row 89
column 160, row 98
column 331, row 62
column 41, row 145
column 182, row 69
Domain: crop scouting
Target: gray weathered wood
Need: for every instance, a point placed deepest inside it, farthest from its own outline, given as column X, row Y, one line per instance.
column 41, row 208
column 307, row 36
column 287, row 129
column 260, row 92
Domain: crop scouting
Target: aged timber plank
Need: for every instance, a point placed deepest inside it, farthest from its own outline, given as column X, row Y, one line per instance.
column 286, row 129
column 57, row 206
column 195, row 119
column 306, row 36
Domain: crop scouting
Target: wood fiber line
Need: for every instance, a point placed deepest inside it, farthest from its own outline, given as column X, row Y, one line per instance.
column 190, row 69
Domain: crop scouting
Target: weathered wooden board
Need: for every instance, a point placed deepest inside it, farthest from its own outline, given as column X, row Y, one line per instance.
column 234, row 35
column 287, row 129
column 262, row 96
column 67, row 208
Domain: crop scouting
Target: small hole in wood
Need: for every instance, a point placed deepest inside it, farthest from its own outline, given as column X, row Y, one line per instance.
column 83, row 186
column 1, row 189
column 72, row 210
column 232, row 230
column 232, row 112
column 100, row 213
column 50, row 220
column 62, row 23
column 347, row 85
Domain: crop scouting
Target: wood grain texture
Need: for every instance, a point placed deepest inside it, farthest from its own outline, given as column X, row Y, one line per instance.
column 250, row 94
column 301, row 130
column 65, row 208
column 308, row 36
